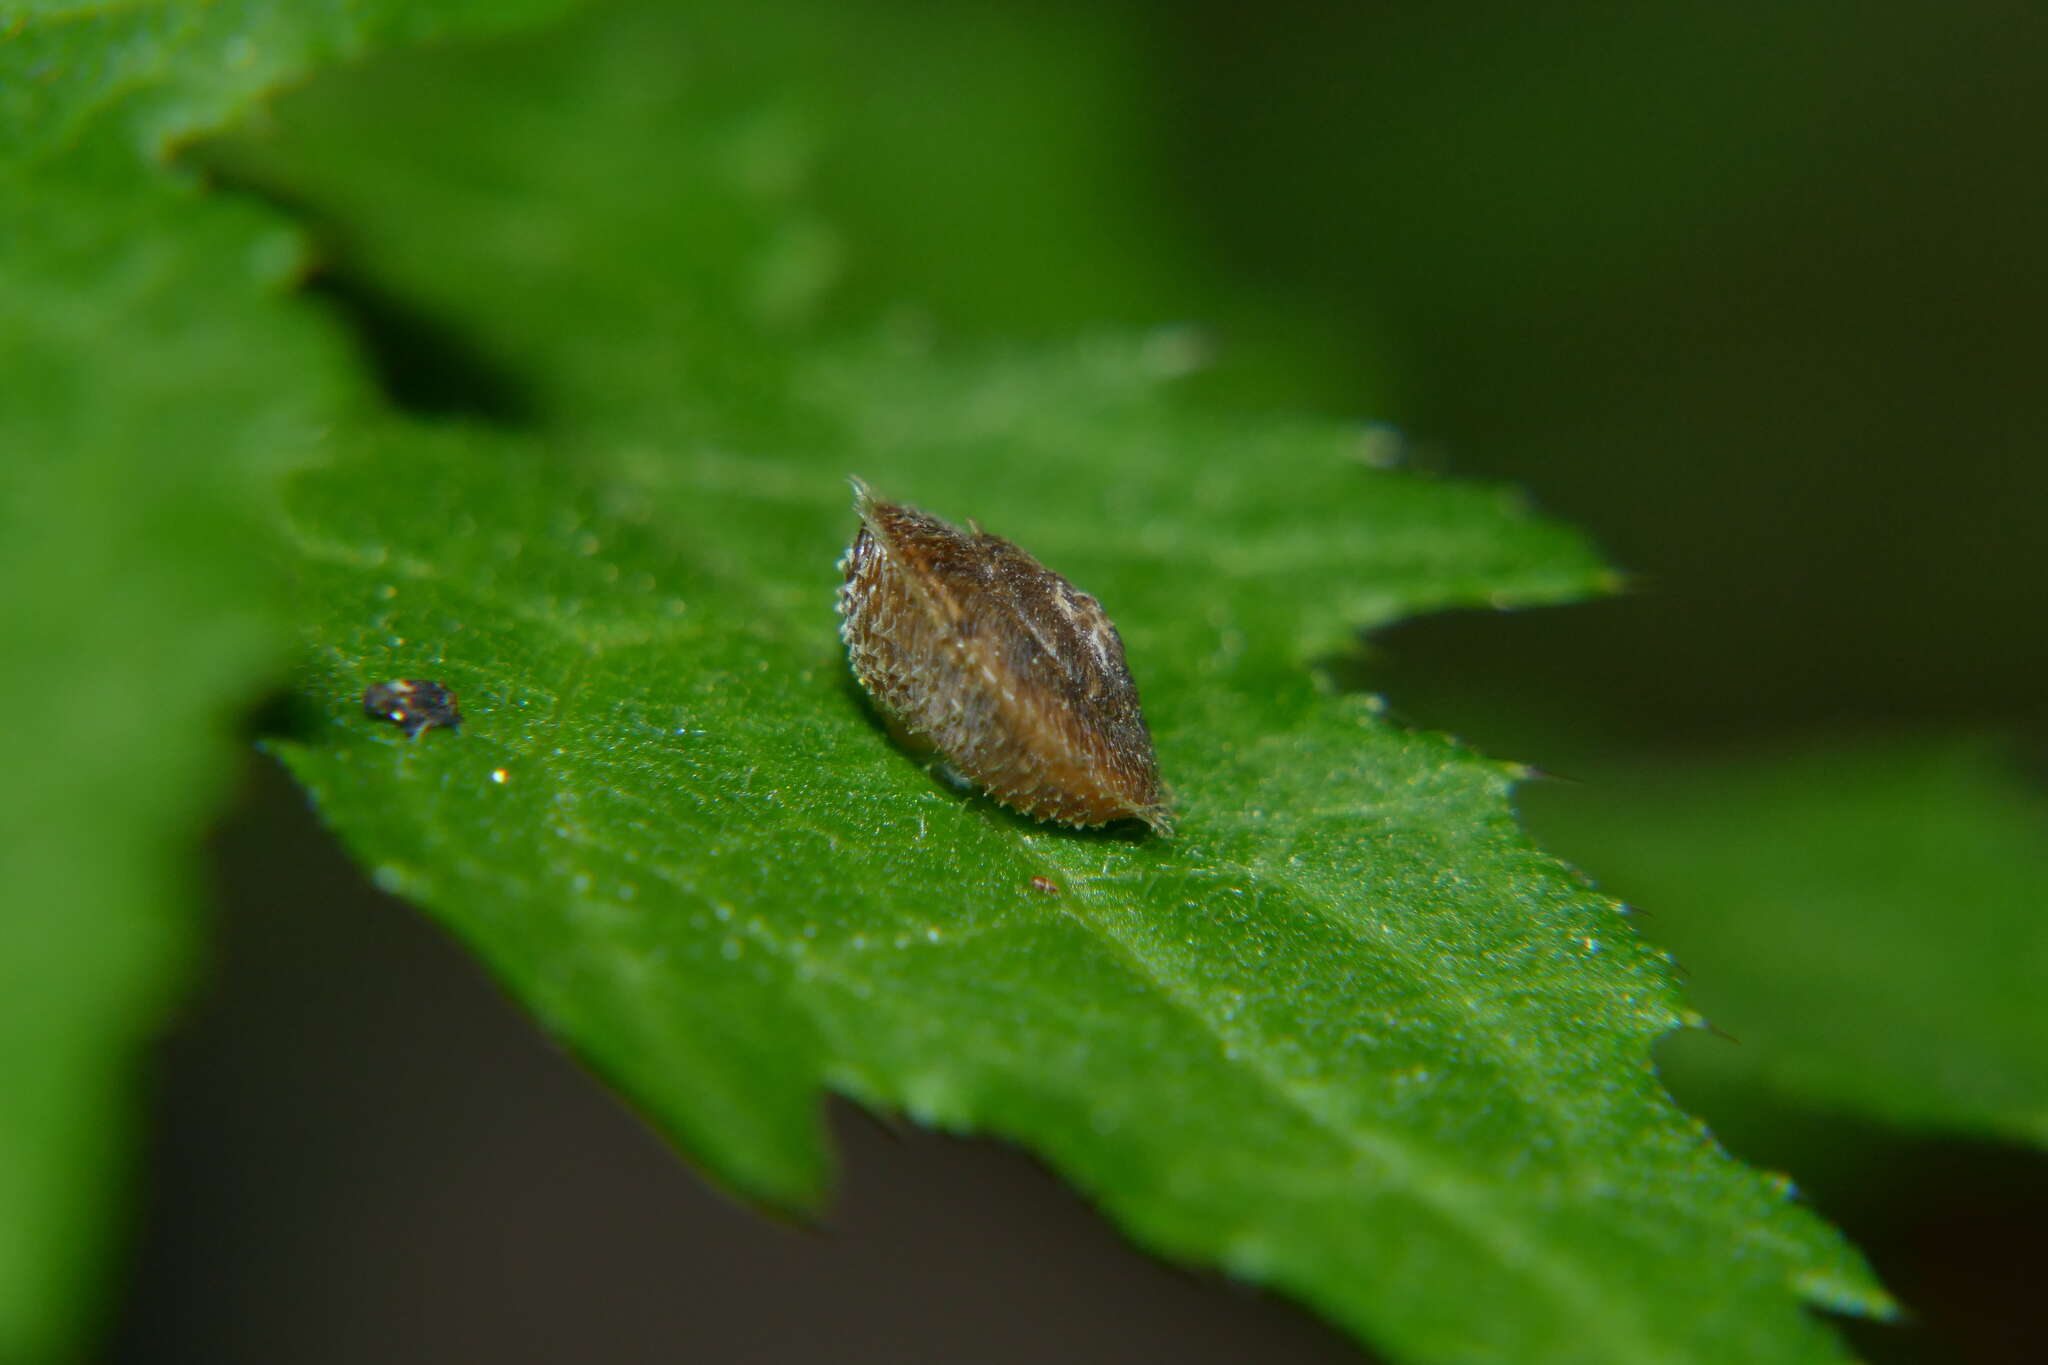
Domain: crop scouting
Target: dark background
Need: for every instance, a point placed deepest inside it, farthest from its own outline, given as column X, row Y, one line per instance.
column 1753, row 293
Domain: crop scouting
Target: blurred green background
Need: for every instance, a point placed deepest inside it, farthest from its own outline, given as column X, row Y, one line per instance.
column 1753, row 293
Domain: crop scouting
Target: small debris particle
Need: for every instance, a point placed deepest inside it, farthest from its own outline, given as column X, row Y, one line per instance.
column 500, row 776
column 1045, row 884
column 413, row 705
column 975, row 651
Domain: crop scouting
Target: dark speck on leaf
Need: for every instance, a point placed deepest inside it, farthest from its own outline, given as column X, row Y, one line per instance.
column 413, row 705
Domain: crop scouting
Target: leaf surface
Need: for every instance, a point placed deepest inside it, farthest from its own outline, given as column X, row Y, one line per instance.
column 1348, row 1032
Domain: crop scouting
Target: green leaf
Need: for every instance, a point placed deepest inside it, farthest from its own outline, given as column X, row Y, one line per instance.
column 1347, row 1033
column 155, row 389
column 1866, row 920
column 129, row 80
column 152, row 389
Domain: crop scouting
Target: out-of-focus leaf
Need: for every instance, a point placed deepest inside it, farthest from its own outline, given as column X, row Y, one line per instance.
column 152, row 389
column 1866, row 919
column 153, row 385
